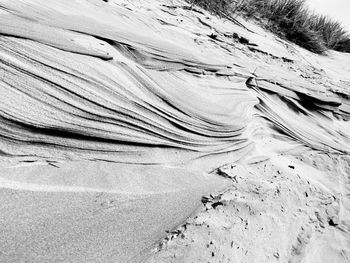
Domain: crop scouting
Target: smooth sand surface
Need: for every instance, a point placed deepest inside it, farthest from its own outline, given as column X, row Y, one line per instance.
column 94, row 212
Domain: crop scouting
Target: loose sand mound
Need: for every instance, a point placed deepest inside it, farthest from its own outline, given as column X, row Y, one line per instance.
column 113, row 112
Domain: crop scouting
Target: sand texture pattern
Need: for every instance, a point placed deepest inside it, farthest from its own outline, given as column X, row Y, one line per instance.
column 113, row 113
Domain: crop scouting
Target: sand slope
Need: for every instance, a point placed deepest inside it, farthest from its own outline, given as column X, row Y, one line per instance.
column 113, row 113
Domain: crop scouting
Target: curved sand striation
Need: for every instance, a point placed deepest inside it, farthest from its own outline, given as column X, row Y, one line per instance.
column 121, row 107
column 106, row 86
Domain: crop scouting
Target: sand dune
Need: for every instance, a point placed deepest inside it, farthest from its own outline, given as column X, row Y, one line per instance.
column 113, row 113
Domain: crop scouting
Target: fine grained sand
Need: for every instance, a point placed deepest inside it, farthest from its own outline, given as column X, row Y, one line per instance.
column 113, row 113
column 94, row 212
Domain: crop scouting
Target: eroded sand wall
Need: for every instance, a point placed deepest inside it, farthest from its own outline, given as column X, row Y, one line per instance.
column 147, row 83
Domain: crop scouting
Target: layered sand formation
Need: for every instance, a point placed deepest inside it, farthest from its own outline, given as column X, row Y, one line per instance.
column 113, row 113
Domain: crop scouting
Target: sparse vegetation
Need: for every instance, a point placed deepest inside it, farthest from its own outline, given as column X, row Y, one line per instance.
column 289, row 19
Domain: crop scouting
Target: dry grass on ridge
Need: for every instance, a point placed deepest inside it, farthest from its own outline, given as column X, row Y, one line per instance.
column 289, row 19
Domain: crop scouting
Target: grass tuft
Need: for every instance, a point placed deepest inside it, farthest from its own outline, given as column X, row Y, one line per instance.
column 289, row 19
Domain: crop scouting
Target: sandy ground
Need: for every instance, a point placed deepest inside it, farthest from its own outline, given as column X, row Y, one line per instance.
column 80, row 217
column 293, row 208
column 119, row 119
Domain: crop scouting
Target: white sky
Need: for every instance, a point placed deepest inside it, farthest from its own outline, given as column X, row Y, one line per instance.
column 337, row 9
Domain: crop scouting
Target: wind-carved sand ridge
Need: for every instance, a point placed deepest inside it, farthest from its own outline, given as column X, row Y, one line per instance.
column 113, row 113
